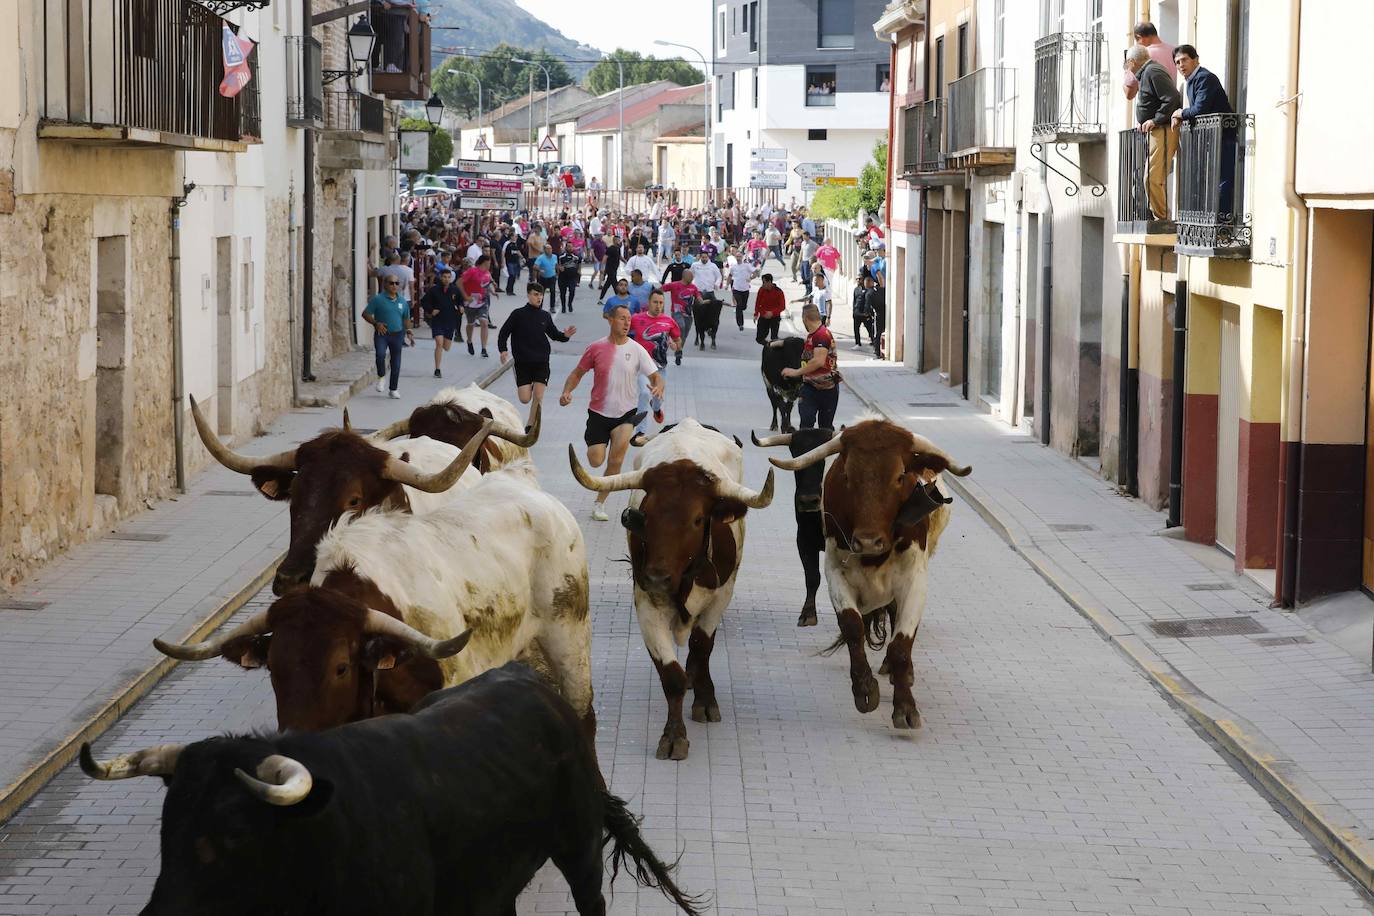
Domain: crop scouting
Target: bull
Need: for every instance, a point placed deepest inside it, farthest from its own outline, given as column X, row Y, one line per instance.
column 807, row 506
column 685, row 528
column 454, row 415
column 706, row 316
column 374, row 633
column 450, row 810
column 883, row 515
column 340, row 471
column 782, row 392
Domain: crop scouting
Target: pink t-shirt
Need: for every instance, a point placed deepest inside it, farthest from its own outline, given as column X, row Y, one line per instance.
column 1160, row 53
column 643, row 325
column 829, row 256
column 615, row 375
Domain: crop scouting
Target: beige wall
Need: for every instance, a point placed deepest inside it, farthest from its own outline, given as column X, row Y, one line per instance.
column 686, row 163
column 1335, row 129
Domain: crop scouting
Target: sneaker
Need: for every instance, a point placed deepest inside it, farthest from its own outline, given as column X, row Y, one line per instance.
column 658, row 416
column 858, row 346
column 471, row 351
column 637, row 417
column 677, row 357
column 638, row 440
column 484, row 352
column 599, row 513
column 438, row 374
column 381, row 385
column 394, row 394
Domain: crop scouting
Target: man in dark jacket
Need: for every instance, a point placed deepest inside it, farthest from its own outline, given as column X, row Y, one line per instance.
column 1206, row 96
column 441, row 306
column 1155, row 104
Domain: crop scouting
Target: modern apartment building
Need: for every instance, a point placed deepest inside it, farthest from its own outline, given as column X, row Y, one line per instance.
column 807, row 76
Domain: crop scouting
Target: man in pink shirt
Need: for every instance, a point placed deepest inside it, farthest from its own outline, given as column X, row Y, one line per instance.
column 616, row 363
column 829, row 256
column 659, row 334
column 1161, row 53
column 682, row 296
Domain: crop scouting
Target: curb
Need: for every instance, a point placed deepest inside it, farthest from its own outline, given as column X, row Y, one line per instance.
column 1329, row 823
column 22, row 790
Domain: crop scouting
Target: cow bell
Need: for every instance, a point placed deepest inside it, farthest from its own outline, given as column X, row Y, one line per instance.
column 632, row 519
column 922, row 501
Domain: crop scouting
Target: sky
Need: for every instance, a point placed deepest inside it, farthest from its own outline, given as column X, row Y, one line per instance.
column 630, row 25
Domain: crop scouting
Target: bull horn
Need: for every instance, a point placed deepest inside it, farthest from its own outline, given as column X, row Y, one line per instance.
column 630, row 481
column 770, row 441
column 200, row 651
column 525, row 439
column 392, row 431
column 379, row 624
column 819, row 453
column 347, row 426
column 152, row 761
column 403, row 472
column 243, row 464
column 280, row 781
column 754, row 500
column 925, row 447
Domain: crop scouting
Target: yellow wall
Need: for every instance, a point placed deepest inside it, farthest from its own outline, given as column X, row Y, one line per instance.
column 1338, row 282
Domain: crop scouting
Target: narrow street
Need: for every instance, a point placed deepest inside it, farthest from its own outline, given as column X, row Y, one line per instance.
column 1049, row 776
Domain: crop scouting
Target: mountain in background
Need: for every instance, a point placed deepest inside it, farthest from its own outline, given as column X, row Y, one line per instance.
column 487, row 23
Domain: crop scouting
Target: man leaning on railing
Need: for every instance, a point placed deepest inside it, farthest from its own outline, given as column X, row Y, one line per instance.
column 1206, row 96
column 1155, row 103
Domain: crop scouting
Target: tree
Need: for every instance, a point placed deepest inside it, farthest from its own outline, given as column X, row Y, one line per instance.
column 873, row 180
column 502, row 78
column 605, row 76
column 440, row 143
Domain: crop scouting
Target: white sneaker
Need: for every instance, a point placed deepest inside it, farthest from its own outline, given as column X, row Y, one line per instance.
column 381, row 385
column 599, row 513
column 394, row 394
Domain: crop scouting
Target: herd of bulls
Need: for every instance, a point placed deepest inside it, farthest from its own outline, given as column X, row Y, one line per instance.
column 425, row 564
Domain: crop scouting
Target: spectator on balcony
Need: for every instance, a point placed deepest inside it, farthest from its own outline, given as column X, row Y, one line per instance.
column 1147, row 36
column 395, row 25
column 1206, row 96
column 1155, row 104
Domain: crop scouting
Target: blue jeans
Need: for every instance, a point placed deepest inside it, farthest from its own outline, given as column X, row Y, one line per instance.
column 648, row 402
column 818, row 404
column 383, row 343
column 806, row 276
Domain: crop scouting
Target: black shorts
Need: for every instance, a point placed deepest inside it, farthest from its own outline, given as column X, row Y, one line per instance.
column 531, row 373
column 443, row 327
column 599, row 428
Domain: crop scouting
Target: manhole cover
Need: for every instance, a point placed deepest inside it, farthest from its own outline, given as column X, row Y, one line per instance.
column 14, row 604
column 1268, row 641
column 135, row 536
column 1207, row 626
column 1209, row 587
column 231, row 493
column 1073, row 527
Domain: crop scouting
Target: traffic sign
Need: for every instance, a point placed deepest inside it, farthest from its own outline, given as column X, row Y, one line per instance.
column 483, row 167
column 815, row 169
column 481, row 144
column 769, row 180
column 767, row 165
column 499, row 185
column 768, row 152
column 547, row 145
column 833, row 182
column 508, row 202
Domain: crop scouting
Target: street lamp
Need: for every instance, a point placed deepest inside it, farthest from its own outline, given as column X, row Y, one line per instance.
column 361, row 38
column 434, row 110
column 620, row 131
column 474, row 78
column 547, row 126
column 705, row 101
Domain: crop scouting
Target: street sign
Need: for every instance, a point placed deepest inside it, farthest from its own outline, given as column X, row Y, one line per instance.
column 483, row 167
column 547, row 145
column 815, row 169
column 777, row 182
column 481, row 144
column 767, row 167
column 414, row 150
column 498, row 185
column 508, row 202
column 768, row 152
column 833, row 182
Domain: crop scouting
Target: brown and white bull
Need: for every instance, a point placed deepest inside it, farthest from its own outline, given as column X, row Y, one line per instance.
column 685, row 526
column 883, row 514
column 395, row 597
column 454, row 415
column 340, row 471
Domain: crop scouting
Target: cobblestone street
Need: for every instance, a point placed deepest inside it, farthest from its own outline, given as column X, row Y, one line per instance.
column 1049, row 776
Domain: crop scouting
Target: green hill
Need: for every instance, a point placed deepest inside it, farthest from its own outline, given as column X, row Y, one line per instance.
column 486, row 24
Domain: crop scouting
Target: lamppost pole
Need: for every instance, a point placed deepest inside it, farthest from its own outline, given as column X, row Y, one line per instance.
column 547, row 82
column 705, row 101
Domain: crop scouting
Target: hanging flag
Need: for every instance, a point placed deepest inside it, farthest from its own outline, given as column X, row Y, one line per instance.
column 236, row 71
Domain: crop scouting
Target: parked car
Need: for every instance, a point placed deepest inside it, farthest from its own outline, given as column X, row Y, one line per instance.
column 579, row 180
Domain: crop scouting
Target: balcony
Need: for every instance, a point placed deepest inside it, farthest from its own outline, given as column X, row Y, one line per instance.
column 355, row 133
column 1135, row 222
column 1214, row 159
column 138, row 73
column 982, row 122
column 1070, row 88
column 250, row 105
column 403, row 44
column 304, row 82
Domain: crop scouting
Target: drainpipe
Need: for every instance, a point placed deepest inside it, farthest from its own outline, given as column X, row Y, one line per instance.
column 291, row 290
column 1018, row 403
column 1130, row 374
column 353, row 262
column 1179, row 395
column 968, row 259
column 891, row 127
column 308, row 229
column 921, row 298
column 1291, row 407
column 178, row 382
column 1046, row 306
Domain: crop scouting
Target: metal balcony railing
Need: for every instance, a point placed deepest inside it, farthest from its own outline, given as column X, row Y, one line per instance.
column 304, row 81
column 982, row 111
column 1070, row 87
column 401, row 55
column 1214, row 158
column 911, row 140
column 1132, row 198
column 141, row 65
column 250, row 104
column 352, row 111
column 932, row 127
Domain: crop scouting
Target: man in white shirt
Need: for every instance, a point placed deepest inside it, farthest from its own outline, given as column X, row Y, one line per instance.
column 474, row 251
column 666, row 236
column 594, row 227
column 741, row 273
column 706, row 275
column 641, row 262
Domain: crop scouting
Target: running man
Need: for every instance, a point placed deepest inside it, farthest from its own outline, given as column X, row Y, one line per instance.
column 528, row 330
column 616, row 363
column 389, row 313
column 683, row 295
column 658, row 333
column 769, row 305
column 441, row 305
column 820, row 394
column 477, row 308
column 741, row 274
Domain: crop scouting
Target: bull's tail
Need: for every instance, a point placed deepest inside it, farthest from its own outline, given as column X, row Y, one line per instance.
column 622, row 832
column 875, row 631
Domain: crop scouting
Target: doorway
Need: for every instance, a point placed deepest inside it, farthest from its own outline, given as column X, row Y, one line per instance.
column 1090, row 338
column 113, row 403
column 1228, row 428
column 1030, row 339
column 992, row 312
column 932, row 290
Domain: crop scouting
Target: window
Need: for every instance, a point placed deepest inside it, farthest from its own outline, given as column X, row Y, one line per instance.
column 754, row 25
column 1051, row 17
column 884, row 81
column 820, row 87
column 937, row 82
column 1095, row 59
column 756, row 86
column 835, row 21
column 720, row 29
column 817, row 133
column 962, row 50
column 744, row 12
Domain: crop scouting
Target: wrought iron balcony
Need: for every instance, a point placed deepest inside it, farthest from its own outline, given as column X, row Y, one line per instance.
column 1134, row 216
column 304, row 82
column 911, row 141
column 982, row 121
column 400, row 59
column 1214, row 160
column 137, row 73
column 250, row 104
column 352, row 111
column 1070, row 88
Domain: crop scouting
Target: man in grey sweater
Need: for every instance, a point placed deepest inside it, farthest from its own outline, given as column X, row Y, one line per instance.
column 1155, row 103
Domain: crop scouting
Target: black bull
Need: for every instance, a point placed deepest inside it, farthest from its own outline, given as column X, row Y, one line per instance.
column 782, row 393
column 806, row 504
column 448, row 810
column 706, row 315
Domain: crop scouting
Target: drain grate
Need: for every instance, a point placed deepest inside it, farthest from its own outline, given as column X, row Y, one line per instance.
column 1073, row 527
column 1209, row 587
column 14, row 604
column 1268, row 641
column 935, row 405
column 1022, row 440
column 231, row 493
column 141, row 536
column 1207, row 626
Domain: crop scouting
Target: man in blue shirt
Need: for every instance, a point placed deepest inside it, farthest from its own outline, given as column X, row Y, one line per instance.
column 547, row 265
column 809, row 226
column 621, row 297
column 639, row 290
column 389, row 313
column 1206, row 96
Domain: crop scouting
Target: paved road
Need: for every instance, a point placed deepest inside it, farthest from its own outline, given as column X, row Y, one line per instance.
column 1049, row 776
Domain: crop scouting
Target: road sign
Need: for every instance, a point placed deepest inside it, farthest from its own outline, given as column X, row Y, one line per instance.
column 815, row 169
column 547, row 145
column 508, row 202
column 832, row 182
column 768, row 152
column 498, row 185
column 768, row 181
column 767, row 167
column 483, row 167
column 481, row 144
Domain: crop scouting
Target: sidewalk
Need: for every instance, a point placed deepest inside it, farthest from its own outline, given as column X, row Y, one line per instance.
column 1295, row 709
column 76, row 638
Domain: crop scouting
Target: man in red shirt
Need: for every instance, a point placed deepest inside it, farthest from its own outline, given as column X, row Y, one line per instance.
column 769, row 305
column 658, row 333
column 683, row 295
column 567, row 180
column 820, row 393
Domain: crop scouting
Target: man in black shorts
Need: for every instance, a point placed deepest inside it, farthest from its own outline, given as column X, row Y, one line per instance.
column 528, row 330
column 441, row 305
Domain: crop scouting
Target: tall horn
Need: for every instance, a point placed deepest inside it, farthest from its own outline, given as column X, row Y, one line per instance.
column 347, row 426
column 200, row 651
column 280, row 781
column 770, row 441
column 405, row 473
column 630, row 481
column 152, row 761
column 819, row 453
column 754, row 500
column 925, row 447
column 392, row 431
column 379, row 624
column 525, row 439
column 243, row 464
